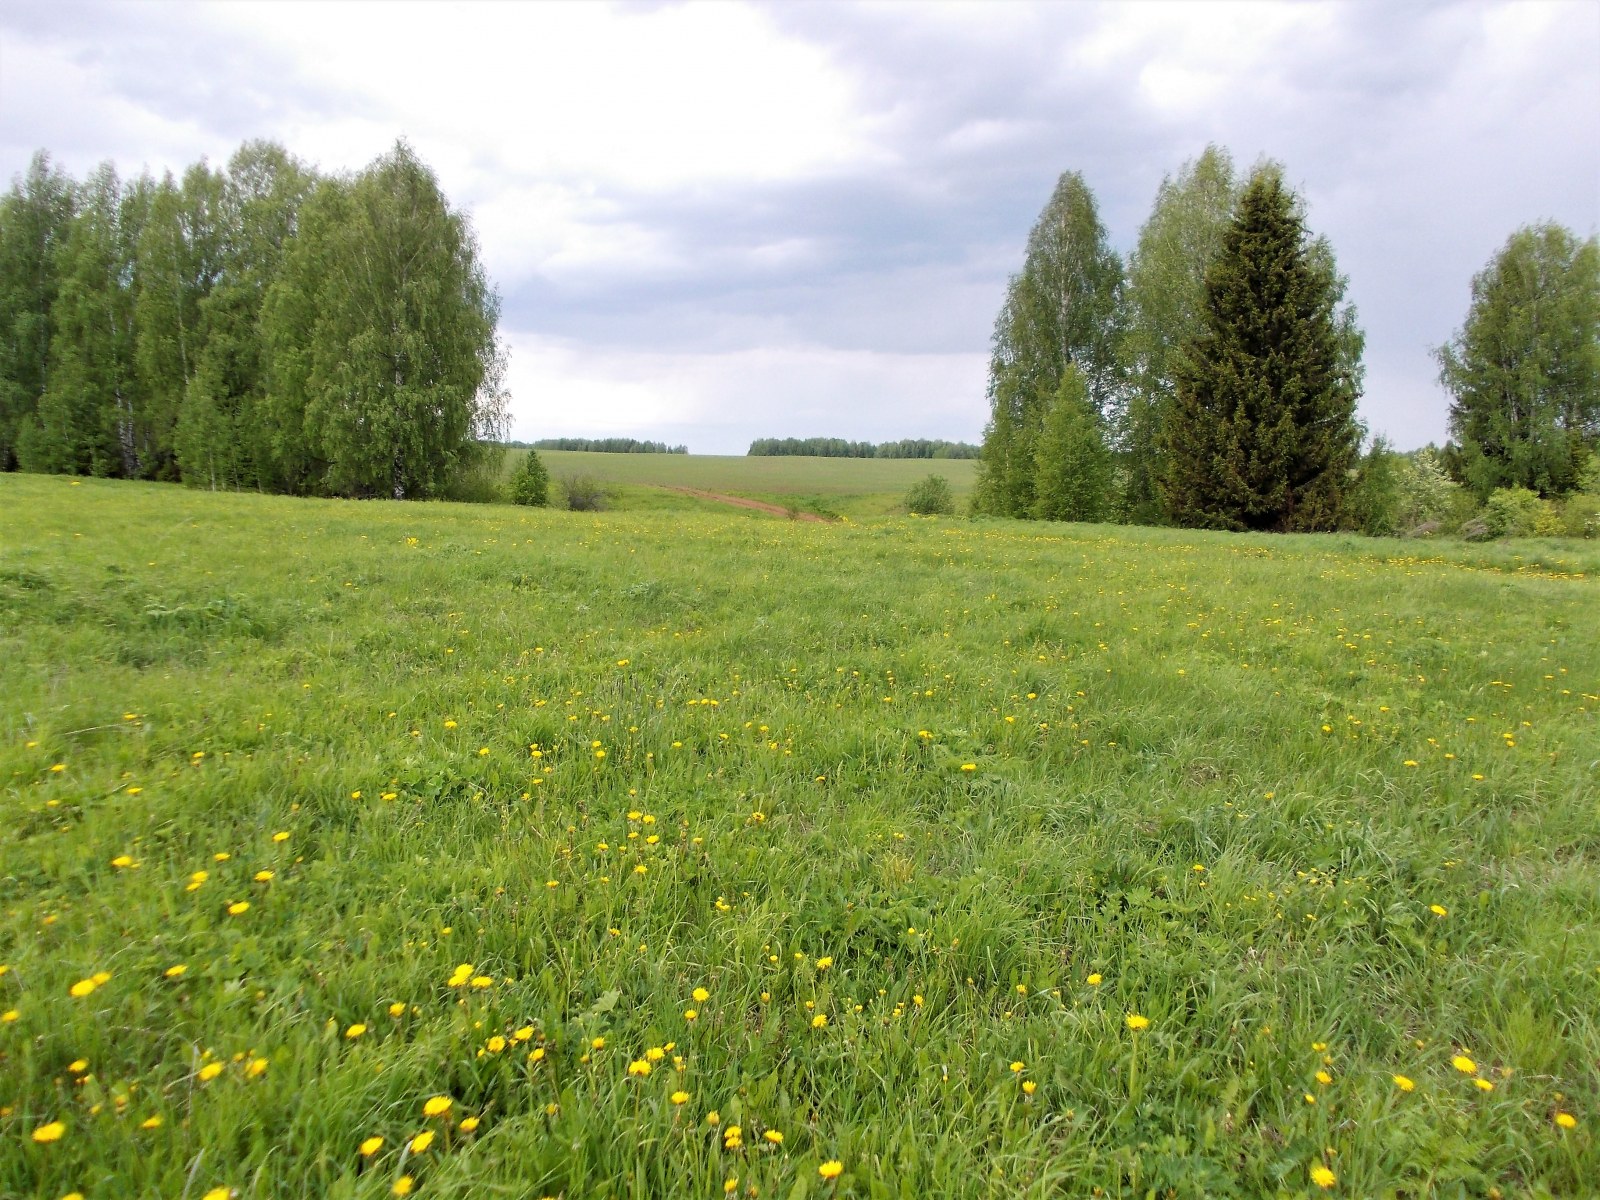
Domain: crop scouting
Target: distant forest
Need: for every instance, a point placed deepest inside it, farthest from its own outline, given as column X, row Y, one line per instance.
column 818, row 447
column 601, row 445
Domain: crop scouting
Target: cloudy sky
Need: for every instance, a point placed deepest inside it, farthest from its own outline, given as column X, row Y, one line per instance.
column 713, row 222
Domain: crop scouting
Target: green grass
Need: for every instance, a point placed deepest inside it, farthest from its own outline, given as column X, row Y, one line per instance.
column 973, row 764
column 851, row 487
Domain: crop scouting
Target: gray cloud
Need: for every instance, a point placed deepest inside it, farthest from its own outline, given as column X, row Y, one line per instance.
column 1421, row 135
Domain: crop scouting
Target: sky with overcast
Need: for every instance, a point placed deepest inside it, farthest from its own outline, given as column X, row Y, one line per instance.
column 715, row 222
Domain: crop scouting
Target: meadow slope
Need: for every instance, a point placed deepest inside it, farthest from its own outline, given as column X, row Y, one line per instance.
column 687, row 853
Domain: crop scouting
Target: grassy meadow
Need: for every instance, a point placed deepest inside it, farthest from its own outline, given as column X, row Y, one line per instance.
column 357, row 849
column 846, row 487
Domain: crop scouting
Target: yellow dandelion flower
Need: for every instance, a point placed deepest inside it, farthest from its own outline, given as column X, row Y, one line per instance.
column 1029, row 1087
column 655, row 1054
column 1403, row 1083
column 238, row 908
column 690, row 1014
column 969, row 766
column 255, row 1068
column 218, row 1193
column 680, row 1097
column 1464, row 1064
column 83, row 987
column 1483, row 1085
column 1096, row 979
column 820, row 1021
column 1323, row 1177
column 51, row 1132
column 403, row 1186
column 1324, row 1078
column 397, row 1009
column 150, row 1123
column 9, row 1016
column 639, row 1067
column 1135, row 1022
column 1438, row 910
column 1566, row 1120
column 482, row 981
column 437, row 1106
column 78, row 1066
column 210, row 1071
column 599, row 1043
column 496, row 1044
column 371, row 1146
column 773, row 1136
column 701, row 995
column 824, row 963
column 123, row 861
column 730, row 1185
column 1016, row 1067
column 713, row 1117
column 101, row 978
column 264, row 876
column 831, row 1169
column 355, row 1031
column 420, row 1143
column 281, row 836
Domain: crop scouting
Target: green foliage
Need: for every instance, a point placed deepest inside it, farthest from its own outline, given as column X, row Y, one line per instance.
column 1310, row 720
column 584, row 493
column 35, row 216
column 1376, row 500
column 1064, row 308
column 1519, row 512
column 1072, row 465
column 530, row 484
column 842, row 448
column 614, row 445
column 1165, row 310
column 381, row 329
column 1524, row 369
column 931, row 497
column 1580, row 515
column 1263, row 432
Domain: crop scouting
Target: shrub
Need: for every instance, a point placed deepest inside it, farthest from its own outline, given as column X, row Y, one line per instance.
column 1581, row 515
column 531, row 484
column 585, row 493
column 1518, row 512
column 931, row 497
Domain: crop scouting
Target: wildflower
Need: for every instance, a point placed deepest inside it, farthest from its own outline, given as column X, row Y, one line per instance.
column 1403, row 1083
column 403, row 1186
column 639, row 1067
column 150, row 1123
column 49, row 1133
column 238, row 908
column 218, row 1193
column 482, row 981
column 420, row 1143
column 655, row 1054
column 598, row 1044
column 255, row 1068
column 732, row 1137
column 437, row 1106
column 1464, row 1064
column 1016, row 1068
column 969, row 766
column 1566, row 1120
column 78, row 1066
column 83, row 987
column 281, row 836
column 713, row 1118
column 1136, row 1022
column 701, row 995
column 1324, row 1078
column 468, row 1124
column 680, row 1097
column 522, row 1035
column 9, row 1016
column 820, row 1021
column 690, row 1014
column 1323, row 1177
column 123, row 862
column 371, row 1146
column 537, row 1054
column 831, row 1169
column 1029, row 1087
column 210, row 1071
column 824, row 963
column 1483, row 1085
column 355, row 1031
column 1438, row 910
column 730, row 1185
column 195, row 880
column 773, row 1136
column 1095, row 979
column 551, row 1109
column 397, row 1009
column 264, row 876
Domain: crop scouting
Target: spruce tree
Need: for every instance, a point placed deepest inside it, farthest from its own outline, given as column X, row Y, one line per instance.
column 1072, row 464
column 1262, row 432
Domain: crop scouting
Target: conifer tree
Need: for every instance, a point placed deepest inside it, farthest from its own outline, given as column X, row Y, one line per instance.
column 1072, row 464
column 1262, row 432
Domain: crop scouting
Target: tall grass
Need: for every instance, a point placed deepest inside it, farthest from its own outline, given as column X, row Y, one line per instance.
column 355, row 805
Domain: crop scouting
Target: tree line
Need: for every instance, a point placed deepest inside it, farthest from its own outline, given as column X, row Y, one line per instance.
column 1211, row 379
column 257, row 326
column 611, row 445
column 818, row 447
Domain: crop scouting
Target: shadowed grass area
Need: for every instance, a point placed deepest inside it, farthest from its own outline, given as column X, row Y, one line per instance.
column 622, row 830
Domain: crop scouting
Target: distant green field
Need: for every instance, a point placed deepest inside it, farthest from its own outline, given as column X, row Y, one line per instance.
column 348, row 848
column 848, row 486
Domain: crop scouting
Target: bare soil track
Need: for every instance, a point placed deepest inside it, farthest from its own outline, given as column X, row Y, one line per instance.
column 742, row 502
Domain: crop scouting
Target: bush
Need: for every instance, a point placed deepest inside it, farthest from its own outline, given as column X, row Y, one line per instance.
column 1518, row 512
column 931, row 498
column 531, row 484
column 585, row 493
column 1581, row 515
